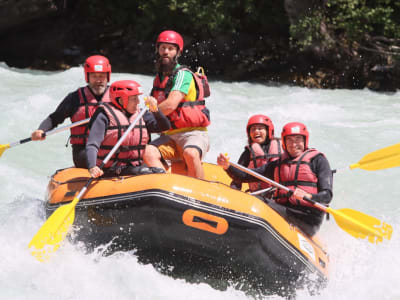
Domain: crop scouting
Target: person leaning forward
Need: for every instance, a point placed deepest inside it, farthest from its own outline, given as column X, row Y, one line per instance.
column 80, row 105
column 109, row 123
column 174, row 88
column 304, row 170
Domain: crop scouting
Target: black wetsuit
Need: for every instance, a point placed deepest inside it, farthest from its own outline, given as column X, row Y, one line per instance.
column 309, row 219
column 66, row 109
column 244, row 160
column 155, row 122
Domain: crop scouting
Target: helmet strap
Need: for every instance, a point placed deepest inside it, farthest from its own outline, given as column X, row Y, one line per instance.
column 118, row 104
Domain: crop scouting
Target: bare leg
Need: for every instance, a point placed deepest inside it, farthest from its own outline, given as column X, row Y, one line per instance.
column 152, row 157
column 193, row 162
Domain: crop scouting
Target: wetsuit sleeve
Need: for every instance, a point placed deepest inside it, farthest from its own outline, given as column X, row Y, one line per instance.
column 244, row 160
column 156, row 122
column 321, row 167
column 266, row 170
column 46, row 125
column 66, row 109
column 99, row 125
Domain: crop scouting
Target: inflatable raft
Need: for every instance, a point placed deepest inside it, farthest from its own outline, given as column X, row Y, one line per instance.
column 183, row 224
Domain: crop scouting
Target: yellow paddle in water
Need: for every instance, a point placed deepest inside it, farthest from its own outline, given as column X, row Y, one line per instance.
column 49, row 237
column 353, row 222
column 385, row 158
column 4, row 147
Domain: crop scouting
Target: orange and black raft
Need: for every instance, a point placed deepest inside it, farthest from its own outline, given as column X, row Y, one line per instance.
column 206, row 221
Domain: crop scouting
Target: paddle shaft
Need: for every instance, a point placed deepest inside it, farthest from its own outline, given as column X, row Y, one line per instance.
column 53, row 131
column 111, row 153
column 262, row 191
column 276, row 184
column 353, row 222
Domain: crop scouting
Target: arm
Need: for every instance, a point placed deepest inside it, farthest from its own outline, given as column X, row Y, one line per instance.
column 181, row 84
column 65, row 109
column 266, row 170
column 99, row 125
column 321, row 167
column 244, row 160
column 171, row 103
column 38, row 134
column 156, row 122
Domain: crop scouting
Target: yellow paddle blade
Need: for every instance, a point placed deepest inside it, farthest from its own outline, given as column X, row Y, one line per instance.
column 49, row 237
column 385, row 158
column 4, row 148
column 361, row 225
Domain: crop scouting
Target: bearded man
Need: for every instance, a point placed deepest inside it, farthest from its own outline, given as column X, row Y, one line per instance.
column 177, row 92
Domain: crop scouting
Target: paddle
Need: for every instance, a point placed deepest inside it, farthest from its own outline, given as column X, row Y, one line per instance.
column 4, row 147
column 49, row 237
column 353, row 222
column 388, row 157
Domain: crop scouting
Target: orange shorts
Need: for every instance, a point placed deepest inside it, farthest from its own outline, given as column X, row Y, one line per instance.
column 170, row 151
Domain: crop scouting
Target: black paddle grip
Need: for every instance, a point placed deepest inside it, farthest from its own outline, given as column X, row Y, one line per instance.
column 25, row 140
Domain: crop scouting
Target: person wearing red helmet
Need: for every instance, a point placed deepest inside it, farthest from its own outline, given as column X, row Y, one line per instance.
column 180, row 95
column 304, row 170
column 80, row 105
column 108, row 124
column 262, row 148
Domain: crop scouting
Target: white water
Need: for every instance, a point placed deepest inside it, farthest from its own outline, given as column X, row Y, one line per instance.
column 344, row 124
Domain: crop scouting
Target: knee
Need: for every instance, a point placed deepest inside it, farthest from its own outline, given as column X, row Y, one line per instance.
column 151, row 152
column 191, row 154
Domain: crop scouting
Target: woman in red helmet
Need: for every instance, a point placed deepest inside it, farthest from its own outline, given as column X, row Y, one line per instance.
column 109, row 123
column 181, row 97
column 304, row 170
column 80, row 105
column 262, row 148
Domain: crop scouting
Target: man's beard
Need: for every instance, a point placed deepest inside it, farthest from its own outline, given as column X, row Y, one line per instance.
column 165, row 64
column 98, row 90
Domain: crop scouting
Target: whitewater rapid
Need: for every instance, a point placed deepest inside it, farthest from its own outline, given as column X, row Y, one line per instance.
column 344, row 124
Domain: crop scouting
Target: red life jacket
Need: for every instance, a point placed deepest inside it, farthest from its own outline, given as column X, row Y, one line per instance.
column 296, row 173
column 260, row 155
column 132, row 148
column 188, row 113
column 87, row 107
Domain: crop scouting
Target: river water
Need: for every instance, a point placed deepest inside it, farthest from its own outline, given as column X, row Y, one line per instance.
column 344, row 124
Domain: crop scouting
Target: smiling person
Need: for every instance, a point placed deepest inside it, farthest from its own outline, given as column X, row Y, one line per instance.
column 181, row 98
column 109, row 123
column 302, row 169
column 262, row 148
column 80, row 105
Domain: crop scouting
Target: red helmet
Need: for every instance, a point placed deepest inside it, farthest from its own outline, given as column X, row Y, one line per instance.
column 264, row 120
column 171, row 37
column 123, row 89
column 97, row 63
column 295, row 128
